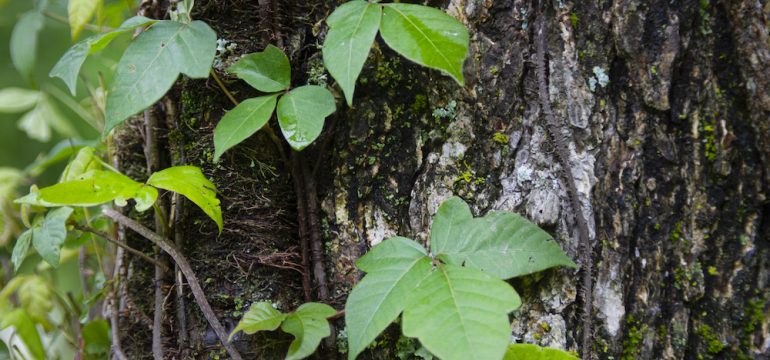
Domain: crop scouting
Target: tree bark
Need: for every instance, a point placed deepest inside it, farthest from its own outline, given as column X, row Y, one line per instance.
column 669, row 154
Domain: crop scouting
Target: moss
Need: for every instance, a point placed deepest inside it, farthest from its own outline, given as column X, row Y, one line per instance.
column 500, row 138
column 420, row 104
column 676, row 235
column 713, row 344
column 633, row 339
column 573, row 19
column 712, row 271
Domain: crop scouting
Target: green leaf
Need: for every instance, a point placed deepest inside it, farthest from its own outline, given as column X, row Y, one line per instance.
column 79, row 13
column 62, row 151
column 20, row 249
column 308, row 325
column 461, row 313
column 24, row 42
column 25, row 330
column 152, row 63
column 96, row 337
column 190, row 182
column 534, row 352
column 14, row 100
column 5, row 354
column 37, row 123
column 352, row 29
column 426, row 36
column 35, row 297
column 267, row 71
column 48, row 235
column 68, row 66
column 394, row 268
column 84, row 161
column 241, row 122
column 94, row 188
column 261, row 316
column 501, row 243
column 301, row 114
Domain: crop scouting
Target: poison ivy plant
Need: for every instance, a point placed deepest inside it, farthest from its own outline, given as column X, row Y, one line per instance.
column 455, row 301
column 308, row 324
column 301, row 112
column 421, row 34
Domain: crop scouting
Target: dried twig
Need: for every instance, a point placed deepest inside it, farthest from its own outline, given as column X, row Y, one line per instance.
column 561, row 142
column 184, row 266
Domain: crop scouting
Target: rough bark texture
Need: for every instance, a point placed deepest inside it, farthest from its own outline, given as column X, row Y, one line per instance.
column 671, row 161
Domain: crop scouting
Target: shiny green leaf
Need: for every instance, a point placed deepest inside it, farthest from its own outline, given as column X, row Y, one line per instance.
column 48, row 235
column 241, row 122
column 25, row 329
column 190, row 182
column 461, row 313
column 68, row 66
column 501, row 243
column 79, row 13
column 24, row 42
column 153, row 62
column 267, row 71
column 301, row 114
column 395, row 267
column 426, row 36
column 84, row 161
column 308, row 325
column 352, row 29
column 93, row 188
column 534, row 352
column 260, row 317
column 14, row 100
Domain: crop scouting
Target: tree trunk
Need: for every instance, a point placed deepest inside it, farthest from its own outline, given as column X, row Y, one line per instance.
column 663, row 107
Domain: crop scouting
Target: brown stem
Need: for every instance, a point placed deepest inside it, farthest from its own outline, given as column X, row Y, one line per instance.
column 296, row 170
column 109, row 238
column 192, row 280
column 113, row 306
column 561, row 141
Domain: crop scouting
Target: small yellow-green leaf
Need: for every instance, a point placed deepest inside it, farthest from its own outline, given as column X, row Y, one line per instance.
column 308, row 325
column 241, row 122
column 79, row 13
column 426, row 36
column 262, row 316
column 267, row 71
column 190, row 182
column 534, row 352
column 83, row 162
column 21, row 248
column 301, row 114
column 93, row 188
column 352, row 28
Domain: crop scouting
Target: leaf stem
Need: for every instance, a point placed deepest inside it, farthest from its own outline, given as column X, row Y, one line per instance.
column 64, row 20
column 109, row 238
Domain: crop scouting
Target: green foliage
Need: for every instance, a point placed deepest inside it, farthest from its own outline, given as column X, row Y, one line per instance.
column 24, row 42
column 25, row 330
column 301, row 114
column 502, row 244
column 153, row 62
column 68, row 67
column 267, row 71
column 458, row 306
column 421, row 34
column 260, row 317
column 241, row 122
column 308, row 324
column 15, row 100
column 48, row 234
column 96, row 337
column 352, row 29
column 190, row 182
column 79, row 13
column 534, row 352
